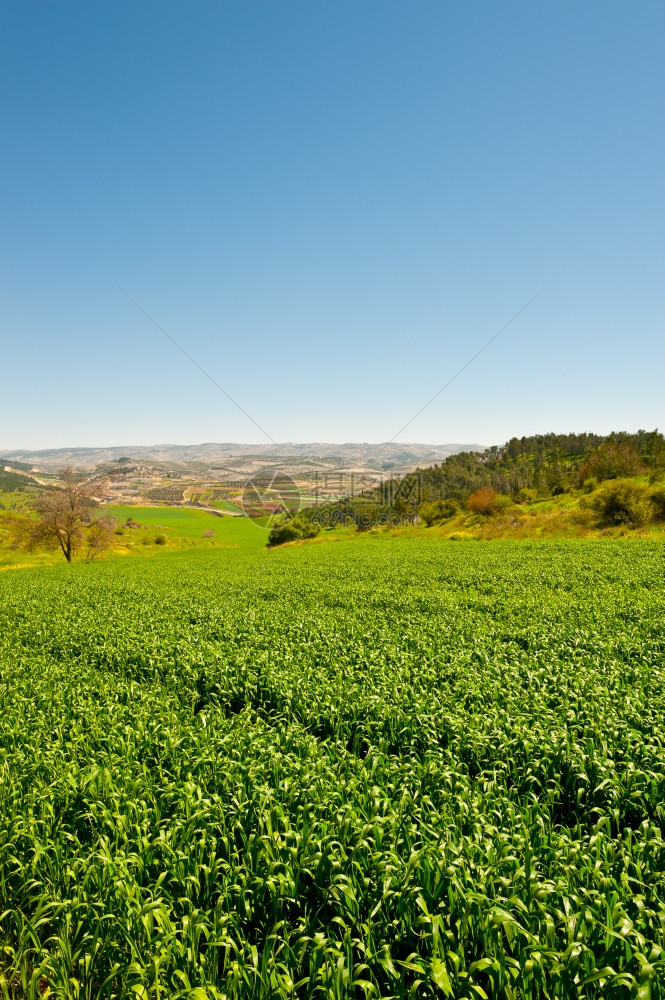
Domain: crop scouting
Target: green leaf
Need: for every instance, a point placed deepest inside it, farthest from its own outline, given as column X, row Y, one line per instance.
column 440, row 976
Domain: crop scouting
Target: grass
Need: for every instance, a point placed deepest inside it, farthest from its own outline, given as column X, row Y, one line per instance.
column 558, row 517
column 14, row 499
column 184, row 527
column 384, row 768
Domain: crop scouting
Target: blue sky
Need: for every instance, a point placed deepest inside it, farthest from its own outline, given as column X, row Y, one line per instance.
column 331, row 206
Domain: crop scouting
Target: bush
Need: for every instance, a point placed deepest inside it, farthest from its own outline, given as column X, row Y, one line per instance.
column 658, row 504
column 293, row 530
column 527, row 495
column 621, row 501
column 208, row 533
column 438, row 510
column 482, row 501
column 161, row 540
column 503, row 502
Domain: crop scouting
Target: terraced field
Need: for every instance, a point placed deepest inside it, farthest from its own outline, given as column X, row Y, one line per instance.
column 372, row 768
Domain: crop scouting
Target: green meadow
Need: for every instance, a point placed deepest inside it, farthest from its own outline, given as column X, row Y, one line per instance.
column 185, row 526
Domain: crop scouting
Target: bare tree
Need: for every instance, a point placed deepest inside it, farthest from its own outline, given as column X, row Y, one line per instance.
column 64, row 518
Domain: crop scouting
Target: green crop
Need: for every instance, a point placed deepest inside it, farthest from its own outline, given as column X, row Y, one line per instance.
column 368, row 769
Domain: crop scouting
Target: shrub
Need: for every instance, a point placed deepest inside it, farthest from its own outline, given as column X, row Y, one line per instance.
column 208, row 533
column 429, row 512
column 658, row 504
column 527, row 495
column 293, row 530
column 621, row 501
column 161, row 540
column 438, row 510
column 503, row 502
column 482, row 501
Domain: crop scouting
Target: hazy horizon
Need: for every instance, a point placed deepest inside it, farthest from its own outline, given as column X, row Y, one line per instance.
column 243, row 444
column 411, row 443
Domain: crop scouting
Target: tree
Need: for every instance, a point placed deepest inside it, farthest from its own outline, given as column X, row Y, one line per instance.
column 482, row 501
column 611, row 460
column 63, row 518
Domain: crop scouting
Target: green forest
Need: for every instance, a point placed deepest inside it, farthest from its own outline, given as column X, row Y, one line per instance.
column 546, row 464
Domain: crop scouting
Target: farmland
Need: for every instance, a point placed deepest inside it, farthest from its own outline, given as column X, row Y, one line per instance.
column 381, row 767
column 185, row 526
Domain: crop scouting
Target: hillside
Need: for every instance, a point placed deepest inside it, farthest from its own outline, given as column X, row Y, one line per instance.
column 567, row 484
column 254, row 479
column 197, row 457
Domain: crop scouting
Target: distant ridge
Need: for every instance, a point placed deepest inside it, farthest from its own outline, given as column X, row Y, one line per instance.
column 380, row 456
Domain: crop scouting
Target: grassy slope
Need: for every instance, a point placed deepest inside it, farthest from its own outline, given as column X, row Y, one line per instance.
column 562, row 517
column 556, row 517
column 227, row 505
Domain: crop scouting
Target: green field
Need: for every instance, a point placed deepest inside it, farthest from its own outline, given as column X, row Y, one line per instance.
column 376, row 768
column 188, row 524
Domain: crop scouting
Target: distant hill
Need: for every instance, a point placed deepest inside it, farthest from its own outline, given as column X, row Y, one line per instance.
column 394, row 456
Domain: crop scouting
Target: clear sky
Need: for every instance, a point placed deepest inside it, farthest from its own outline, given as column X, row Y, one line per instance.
column 331, row 205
